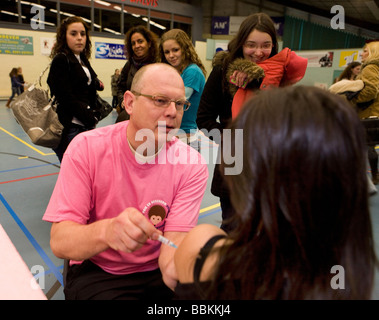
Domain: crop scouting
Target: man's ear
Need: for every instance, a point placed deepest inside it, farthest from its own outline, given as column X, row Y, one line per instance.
column 128, row 101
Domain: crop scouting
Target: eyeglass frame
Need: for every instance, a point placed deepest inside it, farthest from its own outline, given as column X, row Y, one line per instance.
column 250, row 44
column 152, row 97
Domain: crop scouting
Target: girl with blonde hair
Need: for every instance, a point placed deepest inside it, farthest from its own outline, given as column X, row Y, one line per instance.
column 367, row 101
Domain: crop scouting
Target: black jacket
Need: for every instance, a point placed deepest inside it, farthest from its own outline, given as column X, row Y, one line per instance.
column 215, row 108
column 215, row 112
column 68, row 83
column 125, row 80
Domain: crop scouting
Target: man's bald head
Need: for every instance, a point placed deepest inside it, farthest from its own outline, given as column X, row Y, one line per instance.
column 149, row 72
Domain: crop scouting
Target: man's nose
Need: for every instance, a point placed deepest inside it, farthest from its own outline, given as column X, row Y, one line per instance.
column 171, row 109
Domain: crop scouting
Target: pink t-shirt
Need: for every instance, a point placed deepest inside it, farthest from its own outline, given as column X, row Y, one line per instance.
column 100, row 177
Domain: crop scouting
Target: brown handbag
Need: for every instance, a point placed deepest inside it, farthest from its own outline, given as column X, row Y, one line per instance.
column 36, row 114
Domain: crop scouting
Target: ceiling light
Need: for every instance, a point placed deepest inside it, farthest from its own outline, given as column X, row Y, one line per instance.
column 33, row 4
column 112, row 31
column 119, row 9
column 104, row 3
column 155, row 24
column 11, row 14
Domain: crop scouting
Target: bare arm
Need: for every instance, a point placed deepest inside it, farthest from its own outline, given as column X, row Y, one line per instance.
column 188, row 251
column 126, row 232
column 166, row 258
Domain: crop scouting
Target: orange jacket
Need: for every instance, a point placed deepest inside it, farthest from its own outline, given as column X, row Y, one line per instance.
column 285, row 68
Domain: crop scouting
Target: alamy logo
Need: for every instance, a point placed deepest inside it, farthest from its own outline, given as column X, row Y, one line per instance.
column 338, row 21
column 338, row 281
column 233, row 162
column 38, row 280
column 37, row 21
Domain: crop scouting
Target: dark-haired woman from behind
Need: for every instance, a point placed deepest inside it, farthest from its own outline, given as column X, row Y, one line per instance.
column 301, row 207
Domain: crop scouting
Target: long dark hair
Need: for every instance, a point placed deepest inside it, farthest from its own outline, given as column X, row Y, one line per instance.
column 61, row 40
column 150, row 37
column 13, row 72
column 346, row 74
column 257, row 21
column 301, row 201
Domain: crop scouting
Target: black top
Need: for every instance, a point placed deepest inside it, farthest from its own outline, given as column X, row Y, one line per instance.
column 215, row 108
column 190, row 291
column 68, row 83
column 215, row 112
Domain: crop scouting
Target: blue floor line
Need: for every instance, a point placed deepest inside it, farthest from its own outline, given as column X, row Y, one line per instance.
column 33, row 241
column 210, row 213
column 31, row 167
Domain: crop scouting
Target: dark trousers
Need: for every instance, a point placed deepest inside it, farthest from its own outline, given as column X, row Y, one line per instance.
column 89, row 282
column 373, row 160
column 114, row 102
column 67, row 136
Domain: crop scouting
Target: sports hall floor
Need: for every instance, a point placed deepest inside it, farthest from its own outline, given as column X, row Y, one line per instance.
column 27, row 177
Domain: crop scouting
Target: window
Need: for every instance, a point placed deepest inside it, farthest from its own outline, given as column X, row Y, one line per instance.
column 184, row 26
column 160, row 22
column 184, row 23
column 68, row 10
column 107, row 15
column 44, row 13
column 8, row 11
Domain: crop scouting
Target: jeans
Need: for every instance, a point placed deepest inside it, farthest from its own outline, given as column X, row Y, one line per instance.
column 15, row 90
column 67, row 137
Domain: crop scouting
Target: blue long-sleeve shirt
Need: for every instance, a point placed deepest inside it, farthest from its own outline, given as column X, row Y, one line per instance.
column 15, row 82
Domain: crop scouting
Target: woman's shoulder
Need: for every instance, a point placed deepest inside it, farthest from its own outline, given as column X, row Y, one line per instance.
column 370, row 72
column 372, row 65
column 193, row 70
column 126, row 68
column 219, row 58
column 374, row 62
column 60, row 58
column 192, row 67
column 203, row 232
column 190, row 247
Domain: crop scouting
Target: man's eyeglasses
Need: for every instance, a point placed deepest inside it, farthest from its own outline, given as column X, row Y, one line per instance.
column 164, row 102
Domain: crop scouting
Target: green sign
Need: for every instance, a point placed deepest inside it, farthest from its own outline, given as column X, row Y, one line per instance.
column 13, row 44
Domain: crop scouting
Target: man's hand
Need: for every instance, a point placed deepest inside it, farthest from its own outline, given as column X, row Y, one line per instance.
column 129, row 231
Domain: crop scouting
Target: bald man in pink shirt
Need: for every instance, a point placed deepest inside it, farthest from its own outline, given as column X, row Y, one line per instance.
column 120, row 187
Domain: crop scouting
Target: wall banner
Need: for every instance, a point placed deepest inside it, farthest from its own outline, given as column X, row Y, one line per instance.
column 348, row 57
column 14, row 44
column 317, row 59
column 47, row 45
column 109, row 51
column 220, row 25
column 230, row 25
